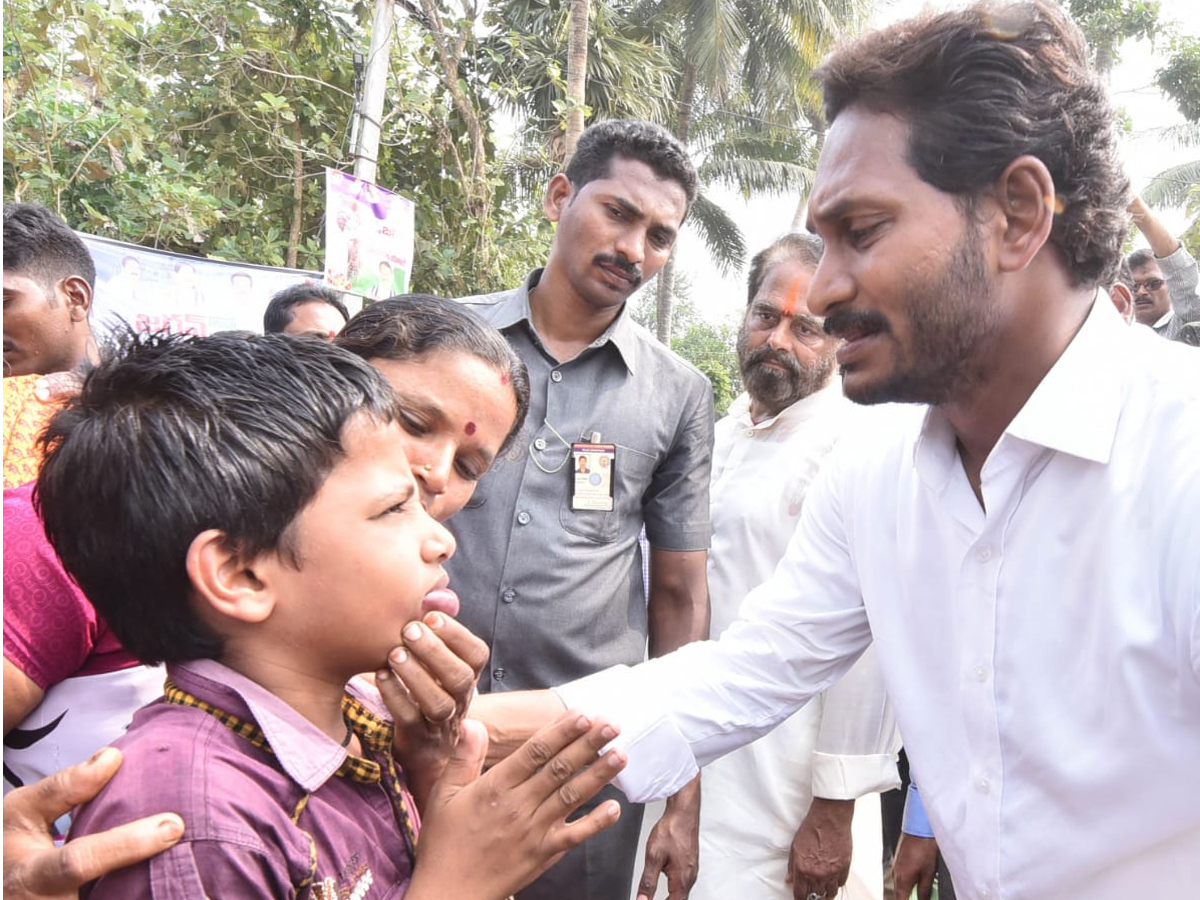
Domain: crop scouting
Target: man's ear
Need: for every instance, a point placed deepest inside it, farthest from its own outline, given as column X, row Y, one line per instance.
column 559, row 193
column 76, row 293
column 1025, row 194
column 225, row 581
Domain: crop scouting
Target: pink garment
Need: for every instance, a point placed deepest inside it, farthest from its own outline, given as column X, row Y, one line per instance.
column 51, row 631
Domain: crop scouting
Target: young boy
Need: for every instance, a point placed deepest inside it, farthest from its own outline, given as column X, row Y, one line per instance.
column 240, row 508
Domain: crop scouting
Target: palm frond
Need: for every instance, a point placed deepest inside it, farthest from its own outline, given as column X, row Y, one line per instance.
column 1173, row 187
column 721, row 235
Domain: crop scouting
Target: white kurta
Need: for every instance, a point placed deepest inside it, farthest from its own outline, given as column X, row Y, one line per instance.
column 839, row 747
column 1043, row 656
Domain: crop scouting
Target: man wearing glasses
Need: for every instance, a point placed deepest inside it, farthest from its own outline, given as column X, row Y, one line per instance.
column 1164, row 277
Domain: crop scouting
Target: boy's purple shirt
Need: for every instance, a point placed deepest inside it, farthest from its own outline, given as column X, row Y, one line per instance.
column 237, row 802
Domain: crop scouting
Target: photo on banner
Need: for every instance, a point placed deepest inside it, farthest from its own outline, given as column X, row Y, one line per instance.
column 152, row 290
column 368, row 237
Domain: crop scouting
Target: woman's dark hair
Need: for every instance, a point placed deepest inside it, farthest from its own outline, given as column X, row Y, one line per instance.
column 411, row 326
column 984, row 85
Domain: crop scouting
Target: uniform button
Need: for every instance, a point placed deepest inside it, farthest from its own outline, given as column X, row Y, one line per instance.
column 509, row 595
column 749, row 432
column 556, row 376
column 981, row 673
column 523, row 517
column 983, row 554
column 539, row 444
column 985, row 786
column 498, row 674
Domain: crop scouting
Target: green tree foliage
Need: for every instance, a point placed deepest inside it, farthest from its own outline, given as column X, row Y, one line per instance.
column 1179, row 79
column 204, row 127
column 711, row 348
column 1109, row 23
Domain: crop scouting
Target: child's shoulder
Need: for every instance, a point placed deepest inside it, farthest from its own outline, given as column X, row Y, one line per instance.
column 182, row 759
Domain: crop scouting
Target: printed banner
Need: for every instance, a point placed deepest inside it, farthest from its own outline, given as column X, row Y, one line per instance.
column 156, row 291
column 368, row 237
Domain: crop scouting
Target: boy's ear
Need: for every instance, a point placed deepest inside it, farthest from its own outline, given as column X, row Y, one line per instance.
column 225, row 581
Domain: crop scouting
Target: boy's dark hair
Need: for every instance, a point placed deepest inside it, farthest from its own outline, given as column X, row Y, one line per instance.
column 411, row 326
column 984, row 85
column 804, row 248
column 642, row 142
column 176, row 434
column 281, row 310
column 40, row 245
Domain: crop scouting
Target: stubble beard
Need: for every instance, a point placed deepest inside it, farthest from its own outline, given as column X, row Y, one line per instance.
column 950, row 329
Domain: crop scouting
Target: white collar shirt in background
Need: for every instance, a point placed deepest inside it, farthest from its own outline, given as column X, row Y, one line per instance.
column 843, row 745
column 1043, row 657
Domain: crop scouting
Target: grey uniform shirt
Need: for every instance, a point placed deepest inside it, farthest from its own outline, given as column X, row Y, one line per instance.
column 557, row 592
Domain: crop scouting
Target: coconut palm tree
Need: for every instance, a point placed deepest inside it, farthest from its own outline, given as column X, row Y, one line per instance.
column 746, row 99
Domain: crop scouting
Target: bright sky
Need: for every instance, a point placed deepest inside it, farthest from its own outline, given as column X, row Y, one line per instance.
column 1146, row 154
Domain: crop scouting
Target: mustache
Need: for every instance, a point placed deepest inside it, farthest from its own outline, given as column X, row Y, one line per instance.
column 765, row 354
column 631, row 270
column 846, row 322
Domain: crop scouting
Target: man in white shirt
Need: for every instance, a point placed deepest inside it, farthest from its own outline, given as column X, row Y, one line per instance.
column 776, row 817
column 1046, row 677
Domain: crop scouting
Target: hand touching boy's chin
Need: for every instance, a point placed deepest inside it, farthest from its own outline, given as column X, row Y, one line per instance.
column 427, row 687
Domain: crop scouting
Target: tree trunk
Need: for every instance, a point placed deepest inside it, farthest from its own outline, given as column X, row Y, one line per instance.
column 799, row 220
column 665, row 306
column 297, row 195
column 577, row 53
column 451, row 48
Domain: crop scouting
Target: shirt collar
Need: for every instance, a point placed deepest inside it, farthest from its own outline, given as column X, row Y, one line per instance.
column 1074, row 410
column 1165, row 318
column 1076, row 407
column 308, row 755
column 622, row 333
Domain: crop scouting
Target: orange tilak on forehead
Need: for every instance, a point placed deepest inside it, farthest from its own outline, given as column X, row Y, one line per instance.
column 792, row 300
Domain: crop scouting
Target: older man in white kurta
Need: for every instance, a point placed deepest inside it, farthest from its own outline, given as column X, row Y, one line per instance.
column 757, row 801
column 839, row 747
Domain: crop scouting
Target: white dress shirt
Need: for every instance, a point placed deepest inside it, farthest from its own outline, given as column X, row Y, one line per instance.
column 841, row 746
column 1043, row 656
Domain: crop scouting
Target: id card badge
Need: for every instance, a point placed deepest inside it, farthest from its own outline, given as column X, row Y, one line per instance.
column 593, row 466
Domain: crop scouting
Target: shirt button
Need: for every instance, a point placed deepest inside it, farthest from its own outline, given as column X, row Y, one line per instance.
column 509, row 595
column 981, row 673
column 985, row 893
column 983, row 554
column 985, row 786
column 556, row 376
column 498, row 674
column 523, row 517
column 749, row 432
column 539, row 444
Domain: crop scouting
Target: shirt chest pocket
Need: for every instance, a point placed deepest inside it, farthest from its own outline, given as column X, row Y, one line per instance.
column 632, row 473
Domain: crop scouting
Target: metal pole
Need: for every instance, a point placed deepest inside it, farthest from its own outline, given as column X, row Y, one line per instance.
column 366, row 148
